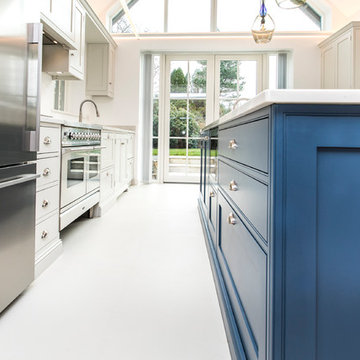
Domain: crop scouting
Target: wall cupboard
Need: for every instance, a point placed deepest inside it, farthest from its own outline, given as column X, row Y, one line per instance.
column 340, row 59
column 100, row 73
column 58, row 19
column 62, row 63
column 279, row 207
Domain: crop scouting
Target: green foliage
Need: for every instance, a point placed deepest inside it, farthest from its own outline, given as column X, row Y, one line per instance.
column 178, row 81
column 182, row 152
column 178, row 117
column 156, row 117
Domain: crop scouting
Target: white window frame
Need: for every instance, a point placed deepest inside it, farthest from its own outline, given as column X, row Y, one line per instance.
column 164, row 123
column 261, row 72
column 213, row 89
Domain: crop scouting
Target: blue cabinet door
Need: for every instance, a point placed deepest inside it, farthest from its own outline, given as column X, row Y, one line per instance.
column 243, row 266
column 317, row 172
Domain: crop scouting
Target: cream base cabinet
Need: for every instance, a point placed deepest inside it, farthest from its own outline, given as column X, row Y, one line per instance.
column 130, row 159
column 58, row 19
column 340, row 59
column 48, row 245
column 100, row 70
column 116, row 169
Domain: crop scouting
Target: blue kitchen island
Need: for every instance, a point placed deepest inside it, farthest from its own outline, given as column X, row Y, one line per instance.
column 280, row 207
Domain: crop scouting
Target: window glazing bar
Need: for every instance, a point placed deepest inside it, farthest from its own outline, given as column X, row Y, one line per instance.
column 213, row 20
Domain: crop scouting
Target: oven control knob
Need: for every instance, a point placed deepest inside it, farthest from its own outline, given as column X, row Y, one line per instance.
column 87, row 136
column 70, row 135
column 76, row 136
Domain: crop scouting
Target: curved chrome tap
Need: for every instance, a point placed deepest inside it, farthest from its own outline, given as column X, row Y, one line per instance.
column 81, row 105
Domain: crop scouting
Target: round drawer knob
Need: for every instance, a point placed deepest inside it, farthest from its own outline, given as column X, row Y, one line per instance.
column 233, row 145
column 212, row 194
column 45, row 203
column 47, row 140
column 46, row 172
column 233, row 186
column 231, row 219
column 44, row 234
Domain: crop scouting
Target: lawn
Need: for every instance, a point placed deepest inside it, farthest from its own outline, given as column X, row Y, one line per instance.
column 182, row 152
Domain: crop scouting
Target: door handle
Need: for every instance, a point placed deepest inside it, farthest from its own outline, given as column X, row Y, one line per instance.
column 18, row 180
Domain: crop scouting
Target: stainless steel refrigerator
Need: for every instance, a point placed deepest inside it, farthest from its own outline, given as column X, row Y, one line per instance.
column 20, row 62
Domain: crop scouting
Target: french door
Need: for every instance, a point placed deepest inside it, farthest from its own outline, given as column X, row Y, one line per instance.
column 188, row 107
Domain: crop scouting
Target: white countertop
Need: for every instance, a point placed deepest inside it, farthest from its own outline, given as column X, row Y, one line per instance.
column 287, row 96
column 117, row 129
column 55, row 120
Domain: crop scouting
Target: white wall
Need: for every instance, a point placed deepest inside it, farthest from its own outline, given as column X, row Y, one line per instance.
column 125, row 107
column 123, row 110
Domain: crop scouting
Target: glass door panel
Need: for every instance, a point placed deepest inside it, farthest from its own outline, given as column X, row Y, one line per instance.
column 187, row 110
column 239, row 78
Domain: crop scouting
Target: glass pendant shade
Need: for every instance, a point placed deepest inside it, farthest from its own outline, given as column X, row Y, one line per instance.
column 290, row 4
column 263, row 26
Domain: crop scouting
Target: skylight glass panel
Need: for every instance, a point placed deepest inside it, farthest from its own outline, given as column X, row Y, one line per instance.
column 189, row 15
column 238, row 15
column 148, row 16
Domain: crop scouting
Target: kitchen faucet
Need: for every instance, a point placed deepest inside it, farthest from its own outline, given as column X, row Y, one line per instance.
column 81, row 105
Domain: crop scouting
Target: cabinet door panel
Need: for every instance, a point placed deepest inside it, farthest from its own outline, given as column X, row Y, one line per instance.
column 77, row 57
column 322, row 230
column 243, row 264
column 108, row 151
column 62, row 15
column 344, row 63
column 329, row 68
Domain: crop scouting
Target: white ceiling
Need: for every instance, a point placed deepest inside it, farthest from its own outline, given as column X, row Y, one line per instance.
column 347, row 7
column 101, row 6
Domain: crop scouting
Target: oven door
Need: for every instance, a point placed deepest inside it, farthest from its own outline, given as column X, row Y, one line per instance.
column 93, row 170
column 73, row 174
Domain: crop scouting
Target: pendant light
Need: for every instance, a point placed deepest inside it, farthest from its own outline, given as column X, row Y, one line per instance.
column 290, row 4
column 263, row 26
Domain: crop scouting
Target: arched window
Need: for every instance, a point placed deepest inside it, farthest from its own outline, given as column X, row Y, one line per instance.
column 189, row 16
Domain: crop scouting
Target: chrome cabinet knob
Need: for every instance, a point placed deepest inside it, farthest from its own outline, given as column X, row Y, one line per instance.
column 47, row 140
column 46, row 172
column 44, row 234
column 233, row 186
column 212, row 194
column 45, row 203
column 233, row 145
column 231, row 219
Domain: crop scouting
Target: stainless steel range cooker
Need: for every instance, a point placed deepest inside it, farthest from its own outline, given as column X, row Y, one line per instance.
column 80, row 170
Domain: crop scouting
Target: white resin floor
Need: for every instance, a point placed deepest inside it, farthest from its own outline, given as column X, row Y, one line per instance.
column 134, row 284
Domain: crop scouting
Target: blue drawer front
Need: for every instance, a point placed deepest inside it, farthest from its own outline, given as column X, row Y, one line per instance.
column 244, row 268
column 252, row 141
column 251, row 196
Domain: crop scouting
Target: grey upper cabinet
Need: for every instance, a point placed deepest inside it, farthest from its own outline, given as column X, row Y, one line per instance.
column 340, row 59
column 100, row 70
